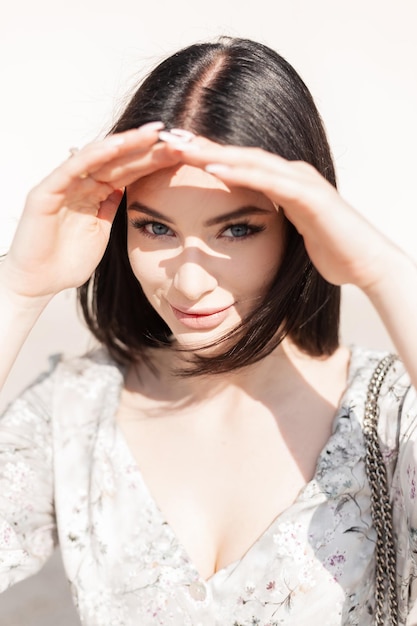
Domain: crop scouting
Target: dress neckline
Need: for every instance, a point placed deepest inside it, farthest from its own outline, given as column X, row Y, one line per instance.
column 356, row 356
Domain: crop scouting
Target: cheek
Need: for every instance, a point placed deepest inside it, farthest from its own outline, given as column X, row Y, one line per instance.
column 148, row 270
column 260, row 266
column 272, row 254
column 271, row 266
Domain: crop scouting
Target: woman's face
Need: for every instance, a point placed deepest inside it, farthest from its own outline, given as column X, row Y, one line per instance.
column 204, row 253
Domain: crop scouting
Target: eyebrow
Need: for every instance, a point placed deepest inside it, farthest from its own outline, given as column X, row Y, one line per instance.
column 240, row 212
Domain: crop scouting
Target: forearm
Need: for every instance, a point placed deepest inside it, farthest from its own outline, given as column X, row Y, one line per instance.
column 396, row 302
column 17, row 317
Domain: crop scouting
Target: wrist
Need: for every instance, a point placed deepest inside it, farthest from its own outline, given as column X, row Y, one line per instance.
column 19, row 302
column 397, row 272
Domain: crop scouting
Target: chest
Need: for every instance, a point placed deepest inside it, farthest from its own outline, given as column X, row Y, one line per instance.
column 220, row 482
column 115, row 536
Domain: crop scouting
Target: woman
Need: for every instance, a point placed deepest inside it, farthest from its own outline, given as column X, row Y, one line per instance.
column 207, row 464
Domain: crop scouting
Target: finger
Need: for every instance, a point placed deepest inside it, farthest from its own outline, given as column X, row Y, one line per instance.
column 286, row 182
column 127, row 169
column 93, row 156
column 289, row 183
column 108, row 207
column 197, row 150
column 233, row 162
column 85, row 192
column 249, row 167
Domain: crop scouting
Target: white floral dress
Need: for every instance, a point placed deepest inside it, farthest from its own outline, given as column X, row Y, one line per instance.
column 67, row 476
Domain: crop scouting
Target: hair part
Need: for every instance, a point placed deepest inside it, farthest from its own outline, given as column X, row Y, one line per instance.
column 237, row 92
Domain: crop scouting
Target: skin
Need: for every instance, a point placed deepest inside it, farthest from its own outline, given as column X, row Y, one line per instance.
column 326, row 221
column 196, row 266
column 249, row 429
column 65, row 226
column 203, row 429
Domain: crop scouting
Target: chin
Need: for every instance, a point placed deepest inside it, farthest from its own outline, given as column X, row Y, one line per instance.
column 202, row 343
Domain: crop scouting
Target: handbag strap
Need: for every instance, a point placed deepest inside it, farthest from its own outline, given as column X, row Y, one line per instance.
column 386, row 603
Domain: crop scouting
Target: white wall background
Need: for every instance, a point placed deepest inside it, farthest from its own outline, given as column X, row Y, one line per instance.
column 66, row 67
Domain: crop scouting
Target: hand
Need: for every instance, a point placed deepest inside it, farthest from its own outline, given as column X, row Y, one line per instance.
column 342, row 245
column 66, row 222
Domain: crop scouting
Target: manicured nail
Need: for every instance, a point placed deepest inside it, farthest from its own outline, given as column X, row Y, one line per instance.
column 185, row 135
column 152, row 126
column 180, row 140
column 276, row 206
column 217, row 168
column 174, row 138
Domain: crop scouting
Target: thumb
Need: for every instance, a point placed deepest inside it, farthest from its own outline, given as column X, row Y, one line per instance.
column 108, row 207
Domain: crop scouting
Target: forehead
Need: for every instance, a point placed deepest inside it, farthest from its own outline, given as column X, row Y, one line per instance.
column 179, row 176
column 186, row 179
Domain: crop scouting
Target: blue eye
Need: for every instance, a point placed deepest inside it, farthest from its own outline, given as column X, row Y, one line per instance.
column 238, row 230
column 155, row 228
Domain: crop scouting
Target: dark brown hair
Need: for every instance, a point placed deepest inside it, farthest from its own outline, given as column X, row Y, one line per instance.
column 239, row 92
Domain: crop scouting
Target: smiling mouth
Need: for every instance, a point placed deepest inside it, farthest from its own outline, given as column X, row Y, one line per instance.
column 201, row 320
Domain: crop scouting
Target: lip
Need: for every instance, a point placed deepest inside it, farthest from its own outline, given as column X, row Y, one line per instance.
column 201, row 320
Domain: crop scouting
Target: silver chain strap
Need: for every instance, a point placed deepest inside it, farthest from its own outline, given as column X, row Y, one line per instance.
column 386, row 604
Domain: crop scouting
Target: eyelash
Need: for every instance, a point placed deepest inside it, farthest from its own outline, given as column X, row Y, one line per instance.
column 141, row 224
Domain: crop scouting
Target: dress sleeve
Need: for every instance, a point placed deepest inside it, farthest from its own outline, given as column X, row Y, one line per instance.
column 27, row 521
column 404, row 499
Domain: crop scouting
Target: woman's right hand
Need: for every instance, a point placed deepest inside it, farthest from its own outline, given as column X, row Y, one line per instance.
column 66, row 222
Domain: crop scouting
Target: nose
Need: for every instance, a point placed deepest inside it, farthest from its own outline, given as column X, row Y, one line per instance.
column 193, row 278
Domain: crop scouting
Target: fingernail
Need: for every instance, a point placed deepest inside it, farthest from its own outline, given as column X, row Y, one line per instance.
column 217, row 168
column 276, row 206
column 152, row 126
column 176, row 136
column 184, row 135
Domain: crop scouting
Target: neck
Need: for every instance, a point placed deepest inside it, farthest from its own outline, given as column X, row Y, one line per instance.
column 278, row 373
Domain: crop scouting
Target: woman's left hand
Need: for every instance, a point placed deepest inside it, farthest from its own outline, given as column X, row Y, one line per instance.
column 342, row 245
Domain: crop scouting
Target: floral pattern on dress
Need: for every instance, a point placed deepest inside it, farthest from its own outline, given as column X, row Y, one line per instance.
column 67, row 475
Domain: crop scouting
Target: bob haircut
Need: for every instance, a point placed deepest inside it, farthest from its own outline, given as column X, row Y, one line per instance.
column 239, row 92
